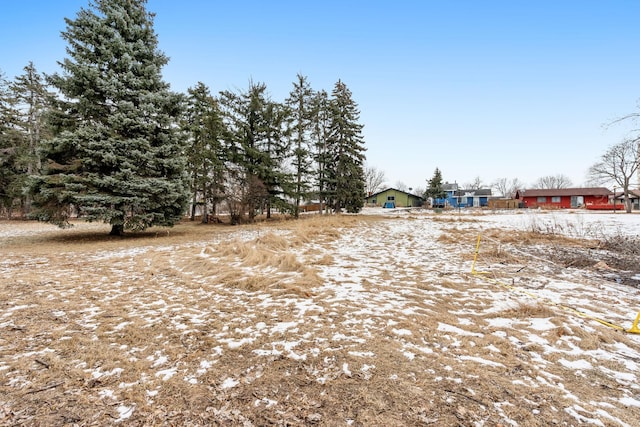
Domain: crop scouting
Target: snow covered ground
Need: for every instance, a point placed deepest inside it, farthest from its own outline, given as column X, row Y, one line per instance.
column 374, row 319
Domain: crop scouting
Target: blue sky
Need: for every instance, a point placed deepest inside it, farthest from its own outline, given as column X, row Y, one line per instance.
column 488, row 89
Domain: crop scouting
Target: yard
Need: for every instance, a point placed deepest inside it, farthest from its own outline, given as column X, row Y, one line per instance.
column 367, row 320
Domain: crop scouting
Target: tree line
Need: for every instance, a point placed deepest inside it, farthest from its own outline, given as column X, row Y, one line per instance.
column 107, row 140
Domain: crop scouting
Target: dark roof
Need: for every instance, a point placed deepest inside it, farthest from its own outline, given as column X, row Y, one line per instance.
column 632, row 194
column 551, row 192
column 477, row 192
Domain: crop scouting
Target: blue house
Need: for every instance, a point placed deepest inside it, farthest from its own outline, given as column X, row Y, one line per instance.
column 450, row 200
column 474, row 198
column 456, row 197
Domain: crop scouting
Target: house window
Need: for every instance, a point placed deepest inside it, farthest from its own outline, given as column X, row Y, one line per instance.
column 555, row 199
column 391, row 198
column 542, row 199
column 374, row 201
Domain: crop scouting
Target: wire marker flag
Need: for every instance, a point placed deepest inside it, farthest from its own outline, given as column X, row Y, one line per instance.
column 633, row 330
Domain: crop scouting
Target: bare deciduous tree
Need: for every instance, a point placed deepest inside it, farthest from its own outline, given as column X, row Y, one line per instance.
column 476, row 184
column 374, row 179
column 618, row 165
column 399, row 185
column 553, row 182
column 507, row 188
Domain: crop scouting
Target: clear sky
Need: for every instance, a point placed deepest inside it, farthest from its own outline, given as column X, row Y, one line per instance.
column 489, row 89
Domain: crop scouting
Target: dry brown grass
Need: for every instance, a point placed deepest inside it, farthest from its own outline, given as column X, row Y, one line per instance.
column 453, row 236
column 105, row 319
column 498, row 253
column 531, row 238
column 454, row 219
column 526, row 311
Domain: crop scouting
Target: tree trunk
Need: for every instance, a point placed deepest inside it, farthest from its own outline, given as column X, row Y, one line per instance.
column 193, row 206
column 205, row 214
column 117, row 230
column 204, row 218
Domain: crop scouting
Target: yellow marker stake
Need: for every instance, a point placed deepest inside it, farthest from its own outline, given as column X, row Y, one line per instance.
column 634, row 329
column 475, row 256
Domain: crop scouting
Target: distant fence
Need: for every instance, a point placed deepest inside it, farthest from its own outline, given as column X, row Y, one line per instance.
column 311, row 207
column 503, row 204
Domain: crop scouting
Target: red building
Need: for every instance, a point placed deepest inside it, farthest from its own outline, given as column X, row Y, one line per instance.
column 564, row 197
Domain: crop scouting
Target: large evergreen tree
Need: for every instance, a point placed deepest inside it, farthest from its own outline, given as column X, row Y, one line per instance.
column 434, row 187
column 278, row 179
column 257, row 148
column 206, row 150
column 300, row 103
column 11, row 141
column 344, row 174
column 33, row 102
column 320, row 134
column 119, row 157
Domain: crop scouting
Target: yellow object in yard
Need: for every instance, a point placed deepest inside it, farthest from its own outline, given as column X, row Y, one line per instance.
column 475, row 258
column 634, row 328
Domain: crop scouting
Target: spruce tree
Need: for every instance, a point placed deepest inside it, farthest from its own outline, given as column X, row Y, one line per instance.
column 320, row 134
column 11, row 173
column 119, row 157
column 258, row 149
column 300, row 103
column 33, row 101
column 277, row 178
column 206, row 150
column 434, row 187
column 344, row 175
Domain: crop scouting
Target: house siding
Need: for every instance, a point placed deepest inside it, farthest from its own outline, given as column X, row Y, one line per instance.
column 466, row 200
column 564, row 203
column 400, row 199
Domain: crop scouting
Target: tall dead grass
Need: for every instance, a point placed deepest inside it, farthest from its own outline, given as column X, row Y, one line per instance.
column 531, row 237
column 272, row 262
column 454, row 236
column 454, row 219
column 527, row 311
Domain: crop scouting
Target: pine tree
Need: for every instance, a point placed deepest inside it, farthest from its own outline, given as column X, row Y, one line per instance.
column 344, row 175
column 119, row 157
column 277, row 178
column 206, row 149
column 320, row 134
column 434, row 187
column 300, row 103
column 11, row 175
column 33, row 103
column 258, row 149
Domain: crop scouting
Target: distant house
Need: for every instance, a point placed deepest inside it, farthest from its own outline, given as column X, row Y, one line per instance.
column 394, row 198
column 563, row 197
column 474, row 198
column 449, row 199
column 634, row 197
column 457, row 197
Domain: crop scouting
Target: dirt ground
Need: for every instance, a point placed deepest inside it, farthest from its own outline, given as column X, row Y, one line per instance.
column 343, row 320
